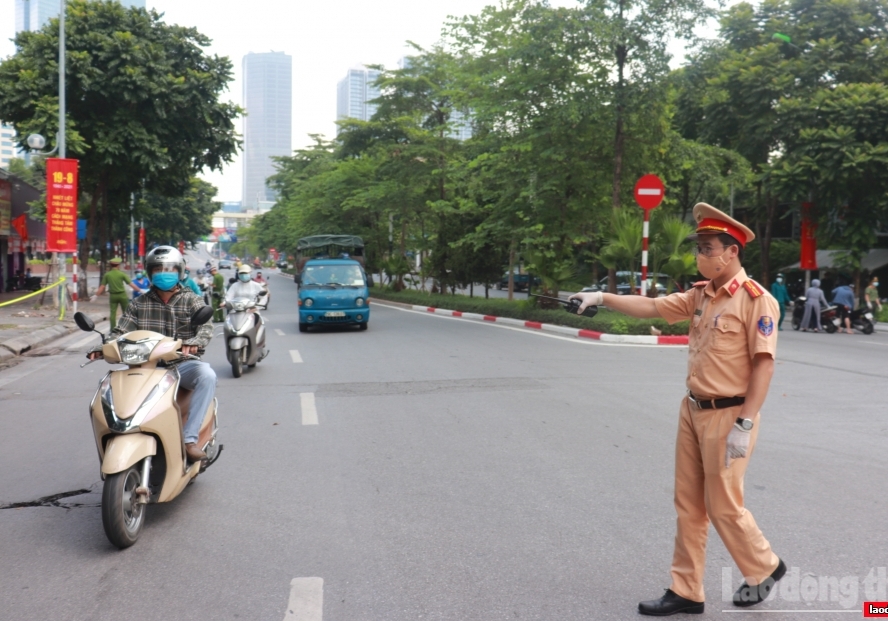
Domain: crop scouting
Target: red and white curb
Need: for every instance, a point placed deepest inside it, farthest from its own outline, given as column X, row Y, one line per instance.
column 633, row 339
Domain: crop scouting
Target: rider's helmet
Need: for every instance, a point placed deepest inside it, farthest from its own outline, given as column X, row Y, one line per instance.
column 168, row 257
column 245, row 273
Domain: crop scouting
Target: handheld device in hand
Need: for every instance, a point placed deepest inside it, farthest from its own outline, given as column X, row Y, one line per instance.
column 571, row 306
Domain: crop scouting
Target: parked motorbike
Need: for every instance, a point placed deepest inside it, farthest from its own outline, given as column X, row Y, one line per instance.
column 138, row 413
column 862, row 319
column 829, row 317
column 244, row 334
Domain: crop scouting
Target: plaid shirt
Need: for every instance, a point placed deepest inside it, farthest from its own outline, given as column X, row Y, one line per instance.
column 173, row 319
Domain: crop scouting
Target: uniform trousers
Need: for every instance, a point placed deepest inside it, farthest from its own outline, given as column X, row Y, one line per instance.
column 117, row 299
column 707, row 491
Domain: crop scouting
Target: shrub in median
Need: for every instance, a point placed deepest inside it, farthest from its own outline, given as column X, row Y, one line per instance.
column 605, row 321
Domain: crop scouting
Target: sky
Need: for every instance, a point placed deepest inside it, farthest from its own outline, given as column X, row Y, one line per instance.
column 324, row 37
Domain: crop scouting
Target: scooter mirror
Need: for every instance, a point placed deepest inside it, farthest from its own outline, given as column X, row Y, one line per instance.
column 83, row 322
column 202, row 315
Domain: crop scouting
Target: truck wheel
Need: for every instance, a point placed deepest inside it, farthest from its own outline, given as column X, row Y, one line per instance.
column 303, row 327
column 122, row 516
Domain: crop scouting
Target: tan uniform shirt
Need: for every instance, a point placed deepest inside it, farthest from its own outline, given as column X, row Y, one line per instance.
column 729, row 326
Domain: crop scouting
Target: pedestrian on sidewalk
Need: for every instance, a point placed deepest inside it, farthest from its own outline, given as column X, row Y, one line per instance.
column 778, row 290
column 871, row 296
column 116, row 281
column 730, row 364
column 815, row 299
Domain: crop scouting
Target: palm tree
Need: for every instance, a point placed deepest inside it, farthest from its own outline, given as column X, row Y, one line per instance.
column 625, row 246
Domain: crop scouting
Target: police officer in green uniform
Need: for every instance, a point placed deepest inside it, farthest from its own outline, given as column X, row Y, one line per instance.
column 116, row 281
column 218, row 294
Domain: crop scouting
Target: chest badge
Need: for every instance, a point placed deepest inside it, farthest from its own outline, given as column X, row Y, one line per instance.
column 765, row 325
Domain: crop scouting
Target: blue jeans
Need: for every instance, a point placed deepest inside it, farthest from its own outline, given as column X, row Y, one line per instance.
column 199, row 377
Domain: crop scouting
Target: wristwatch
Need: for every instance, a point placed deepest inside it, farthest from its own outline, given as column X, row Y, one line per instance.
column 744, row 423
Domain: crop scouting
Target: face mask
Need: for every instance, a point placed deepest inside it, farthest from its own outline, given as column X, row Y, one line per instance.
column 780, row 280
column 875, row 283
column 165, row 280
column 244, row 277
column 711, row 267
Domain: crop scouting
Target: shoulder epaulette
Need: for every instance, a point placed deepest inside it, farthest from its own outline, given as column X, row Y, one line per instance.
column 753, row 289
column 701, row 283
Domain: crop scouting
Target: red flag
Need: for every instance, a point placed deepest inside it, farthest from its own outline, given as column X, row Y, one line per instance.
column 141, row 242
column 808, row 259
column 21, row 226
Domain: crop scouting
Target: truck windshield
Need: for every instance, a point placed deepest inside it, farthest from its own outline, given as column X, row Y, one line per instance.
column 336, row 275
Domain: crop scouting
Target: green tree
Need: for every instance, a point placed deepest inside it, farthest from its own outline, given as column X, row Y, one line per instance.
column 188, row 218
column 143, row 108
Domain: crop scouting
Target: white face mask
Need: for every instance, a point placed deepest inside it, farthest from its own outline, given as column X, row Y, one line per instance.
column 780, row 280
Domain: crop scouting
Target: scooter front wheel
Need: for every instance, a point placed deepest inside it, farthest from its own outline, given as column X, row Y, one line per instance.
column 237, row 366
column 122, row 516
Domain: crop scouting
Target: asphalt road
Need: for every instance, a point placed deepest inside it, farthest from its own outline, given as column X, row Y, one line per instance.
column 457, row 470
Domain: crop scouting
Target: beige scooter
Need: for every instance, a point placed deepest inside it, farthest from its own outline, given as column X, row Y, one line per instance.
column 138, row 414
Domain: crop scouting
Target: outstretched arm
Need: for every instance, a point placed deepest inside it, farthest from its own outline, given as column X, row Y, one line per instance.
column 632, row 305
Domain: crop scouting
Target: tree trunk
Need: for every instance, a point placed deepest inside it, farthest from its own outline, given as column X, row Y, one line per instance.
column 512, row 270
column 92, row 226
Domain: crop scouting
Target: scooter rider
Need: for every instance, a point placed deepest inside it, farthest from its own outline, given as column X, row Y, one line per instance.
column 167, row 309
column 245, row 286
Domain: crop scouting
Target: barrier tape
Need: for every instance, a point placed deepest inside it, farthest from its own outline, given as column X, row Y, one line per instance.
column 31, row 295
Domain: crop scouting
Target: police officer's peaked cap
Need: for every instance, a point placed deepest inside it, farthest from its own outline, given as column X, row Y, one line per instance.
column 711, row 221
column 115, row 261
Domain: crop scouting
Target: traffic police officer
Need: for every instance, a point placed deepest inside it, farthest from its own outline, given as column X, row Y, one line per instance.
column 218, row 294
column 733, row 341
column 116, row 282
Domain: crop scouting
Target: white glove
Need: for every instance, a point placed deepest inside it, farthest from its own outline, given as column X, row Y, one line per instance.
column 869, row 305
column 93, row 298
column 738, row 442
column 587, row 299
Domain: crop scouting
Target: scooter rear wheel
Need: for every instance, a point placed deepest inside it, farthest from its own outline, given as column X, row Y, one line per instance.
column 122, row 516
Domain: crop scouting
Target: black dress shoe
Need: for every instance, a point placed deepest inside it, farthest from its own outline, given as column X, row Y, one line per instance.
column 751, row 595
column 670, row 604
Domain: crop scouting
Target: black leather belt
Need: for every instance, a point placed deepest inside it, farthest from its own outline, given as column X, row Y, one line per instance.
column 715, row 404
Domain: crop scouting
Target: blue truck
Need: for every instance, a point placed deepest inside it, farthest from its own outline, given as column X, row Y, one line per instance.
column 333, row 287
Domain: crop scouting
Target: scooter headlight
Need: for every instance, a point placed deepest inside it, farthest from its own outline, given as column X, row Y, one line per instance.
column 136, row 352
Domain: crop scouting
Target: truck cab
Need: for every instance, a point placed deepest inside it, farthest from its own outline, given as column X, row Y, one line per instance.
column 333, row 291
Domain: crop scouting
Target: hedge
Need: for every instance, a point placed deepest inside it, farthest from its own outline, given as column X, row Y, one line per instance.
column 606, row 320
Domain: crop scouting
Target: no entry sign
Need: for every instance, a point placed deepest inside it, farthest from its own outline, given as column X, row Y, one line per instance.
column 649, row 192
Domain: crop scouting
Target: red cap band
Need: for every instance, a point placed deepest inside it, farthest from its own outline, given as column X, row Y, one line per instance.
column 714, row 226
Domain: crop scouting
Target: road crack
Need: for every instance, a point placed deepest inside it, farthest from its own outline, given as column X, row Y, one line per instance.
column 52, row 501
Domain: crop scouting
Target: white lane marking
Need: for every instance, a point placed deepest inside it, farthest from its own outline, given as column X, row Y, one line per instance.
column 533, row 332
column 279, row 332
column 306, row 600
column 309, row 411
column 871, row 343
column 25, row 369
column 294, row 354
column 83, row 342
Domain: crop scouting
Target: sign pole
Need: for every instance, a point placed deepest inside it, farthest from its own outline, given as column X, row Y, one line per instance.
column 649, row 193
column 645, row 233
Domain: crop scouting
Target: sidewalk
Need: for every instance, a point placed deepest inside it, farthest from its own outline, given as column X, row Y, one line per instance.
column 26, row 325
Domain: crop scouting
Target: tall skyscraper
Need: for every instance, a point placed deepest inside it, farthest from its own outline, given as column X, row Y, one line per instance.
column 7, row 146
column 33, row 14
column 354, row 91
column 268, row 99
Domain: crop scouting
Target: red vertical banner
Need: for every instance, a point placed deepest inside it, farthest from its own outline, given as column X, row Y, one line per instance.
column 142, row 242
column 808, row 259
column 61, row 205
